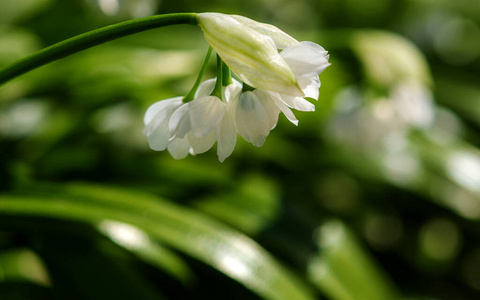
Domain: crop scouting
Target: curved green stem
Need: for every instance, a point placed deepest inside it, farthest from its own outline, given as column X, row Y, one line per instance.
column 90, row 39
column 191, row 95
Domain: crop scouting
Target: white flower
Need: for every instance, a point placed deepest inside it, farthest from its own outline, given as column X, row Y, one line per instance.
column 193, row 127
column 257, row 111
column 280, row 82
column 156, row 122
column 241, row 42
column 224, row 131
column 252, row 55
column 157, row 130
column 249, row 48
column 307, row 60
column 194, row 121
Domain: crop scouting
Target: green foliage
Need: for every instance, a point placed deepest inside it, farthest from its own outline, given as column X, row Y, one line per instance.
column 373, row 196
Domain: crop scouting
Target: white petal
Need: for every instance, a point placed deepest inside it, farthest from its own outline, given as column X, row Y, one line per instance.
column 206, row 88
column 266, row 98
column 309, row 86
column 158, row 139
column 306, row 58
column 298, row 103
column 161, row 106
column 226, row 136
column 232, row 90
column 205, row 113
column 179, row 123
column 201, row 144
column 251, row 119
column 286, row 110
column 179, row 148
column 156, row 119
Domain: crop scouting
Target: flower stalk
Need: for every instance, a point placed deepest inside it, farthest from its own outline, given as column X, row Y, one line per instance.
column 91, row 39
column 191, row 95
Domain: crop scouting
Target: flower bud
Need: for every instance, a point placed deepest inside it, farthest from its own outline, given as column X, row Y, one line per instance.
column 251, row 55
column 280, row 38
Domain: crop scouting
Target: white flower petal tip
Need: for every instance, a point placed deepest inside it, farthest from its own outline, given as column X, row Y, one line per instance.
column 201, row 144
column 253, row 120
column 226, row 136
column 179, row 148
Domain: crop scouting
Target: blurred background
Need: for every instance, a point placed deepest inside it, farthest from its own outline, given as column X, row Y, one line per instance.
column 375, row 195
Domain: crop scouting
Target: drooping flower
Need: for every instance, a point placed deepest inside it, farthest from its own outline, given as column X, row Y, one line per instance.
column 193, row 127
column 274, row 81
column 307, row 60
column 257, row 111
column 252, row 55
column 156, row 122
column 224, row 132
column 195, row 121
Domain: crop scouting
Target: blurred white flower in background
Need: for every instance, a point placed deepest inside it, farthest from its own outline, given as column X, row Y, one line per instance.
column 368, row 123
column 125, row 9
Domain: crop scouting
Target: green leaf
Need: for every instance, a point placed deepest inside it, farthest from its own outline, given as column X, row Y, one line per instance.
column 344, row 271
column 82, row 267
column 254, row 205
column 23, row 265
column 193, row 233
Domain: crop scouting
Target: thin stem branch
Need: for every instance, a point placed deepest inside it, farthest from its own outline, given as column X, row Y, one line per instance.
column 191, row 95
column 91, row 39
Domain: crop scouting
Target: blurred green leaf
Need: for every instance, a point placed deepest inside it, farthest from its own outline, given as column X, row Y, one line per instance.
column 343, row 270
column 252, row 206
column 188, row 231
column 23, row 265
column 139, row 243
column 15, row 43
column 82, row 267
column 12, row 11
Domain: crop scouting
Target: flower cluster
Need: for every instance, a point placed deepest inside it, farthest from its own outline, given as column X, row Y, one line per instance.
column 277, row 74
